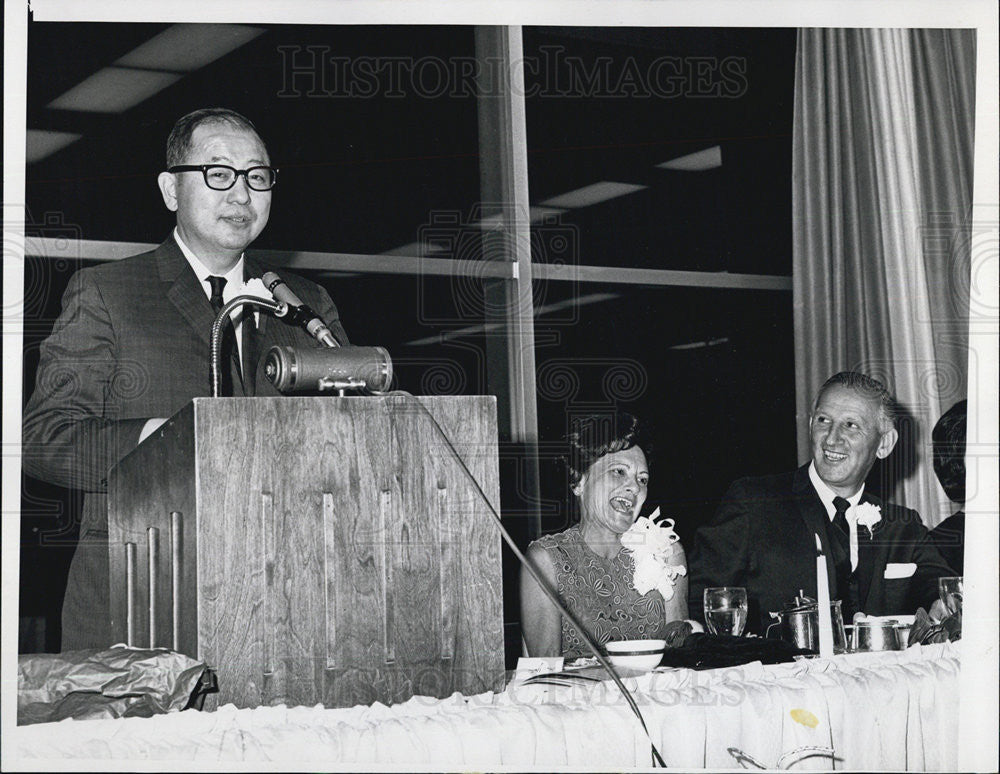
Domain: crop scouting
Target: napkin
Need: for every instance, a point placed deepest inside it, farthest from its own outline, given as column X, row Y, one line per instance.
column 712, row 651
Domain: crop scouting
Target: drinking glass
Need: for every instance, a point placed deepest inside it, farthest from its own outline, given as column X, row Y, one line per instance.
column 726, row 610
column 950, row 592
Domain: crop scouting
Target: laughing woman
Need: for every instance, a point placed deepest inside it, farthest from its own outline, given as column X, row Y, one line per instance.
column 590, row 566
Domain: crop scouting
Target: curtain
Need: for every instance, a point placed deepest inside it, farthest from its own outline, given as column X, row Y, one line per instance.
column 882, row 192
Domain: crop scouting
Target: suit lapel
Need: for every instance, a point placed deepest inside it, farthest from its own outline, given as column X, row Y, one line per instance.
column 188, row 297
column 868, row 551
column 184, row 291
column 815, row 517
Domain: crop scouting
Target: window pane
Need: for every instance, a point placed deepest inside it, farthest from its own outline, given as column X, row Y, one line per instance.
column 712, row 371
column 415, row 319
column 608, row 108
column 372, row 128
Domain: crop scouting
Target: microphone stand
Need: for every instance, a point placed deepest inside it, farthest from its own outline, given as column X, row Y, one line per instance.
column 277, row 308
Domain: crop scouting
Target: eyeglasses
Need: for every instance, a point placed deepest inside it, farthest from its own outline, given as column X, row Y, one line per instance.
column 220, row 177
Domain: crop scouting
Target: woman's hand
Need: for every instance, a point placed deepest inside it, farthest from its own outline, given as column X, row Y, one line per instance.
column 677, row 632
column 677, row 605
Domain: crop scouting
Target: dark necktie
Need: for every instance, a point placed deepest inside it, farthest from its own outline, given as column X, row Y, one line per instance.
column 229, row 367
column 840, row 517
column 846, row 582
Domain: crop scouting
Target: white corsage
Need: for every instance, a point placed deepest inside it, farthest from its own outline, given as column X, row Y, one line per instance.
column 868, row 515
column 652, row 547
column 255, row 287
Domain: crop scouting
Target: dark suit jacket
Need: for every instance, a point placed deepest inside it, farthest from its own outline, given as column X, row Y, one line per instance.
column 762, row 538
column 949, row 537
column 131, row 343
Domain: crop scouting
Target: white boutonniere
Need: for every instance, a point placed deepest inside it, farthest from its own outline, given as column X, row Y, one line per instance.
column 651, row 545
column 868, row 515
column 255, row 287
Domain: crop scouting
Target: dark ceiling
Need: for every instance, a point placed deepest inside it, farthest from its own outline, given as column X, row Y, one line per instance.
column 367, row 172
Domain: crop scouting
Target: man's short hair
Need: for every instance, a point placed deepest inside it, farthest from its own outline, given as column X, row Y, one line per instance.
column 868, row 387
column 179, row 141
column 948, row 439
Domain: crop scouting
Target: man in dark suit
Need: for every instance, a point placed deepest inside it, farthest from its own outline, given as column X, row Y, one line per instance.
column 949, row 465
column 131, row 345
column 763, row 537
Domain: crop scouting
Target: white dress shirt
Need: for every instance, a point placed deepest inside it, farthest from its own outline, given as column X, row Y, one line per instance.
column 826, row 495
column 232, row 288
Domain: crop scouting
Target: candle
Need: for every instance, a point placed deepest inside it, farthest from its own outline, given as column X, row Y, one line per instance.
column 823, row 603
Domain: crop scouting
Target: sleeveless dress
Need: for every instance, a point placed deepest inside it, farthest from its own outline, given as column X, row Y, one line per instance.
column 599, row 592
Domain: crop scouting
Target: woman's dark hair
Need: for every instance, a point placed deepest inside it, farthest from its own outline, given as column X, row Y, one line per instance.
column 948, row 438
column 594, row 436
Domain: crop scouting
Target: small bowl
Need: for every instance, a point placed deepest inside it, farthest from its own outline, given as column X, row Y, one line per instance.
column 641, row 655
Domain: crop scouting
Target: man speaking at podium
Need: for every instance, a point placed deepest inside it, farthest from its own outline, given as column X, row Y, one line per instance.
column 131, row 345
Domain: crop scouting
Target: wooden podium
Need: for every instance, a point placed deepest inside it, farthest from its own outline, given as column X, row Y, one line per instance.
column 314, row 550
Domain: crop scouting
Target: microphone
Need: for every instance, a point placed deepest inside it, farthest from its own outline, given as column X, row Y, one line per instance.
column 307, row 369
column 298, row 313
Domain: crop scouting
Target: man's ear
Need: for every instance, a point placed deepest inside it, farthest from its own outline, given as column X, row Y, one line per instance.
column 168, row 189
column 578, row 486
column 887, row 443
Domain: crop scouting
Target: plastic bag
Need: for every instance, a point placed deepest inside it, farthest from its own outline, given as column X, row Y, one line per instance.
column 110, row 683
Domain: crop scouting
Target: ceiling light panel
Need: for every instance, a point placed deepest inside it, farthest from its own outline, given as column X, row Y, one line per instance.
column 415, row 249
column 710, row 158
column 592, row 194
column 437, row 338
column 40, row 143
column 186, row 47
column 113, row 90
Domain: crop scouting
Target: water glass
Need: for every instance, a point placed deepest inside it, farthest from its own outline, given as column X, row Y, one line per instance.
column 950, row 592
column 726, row 610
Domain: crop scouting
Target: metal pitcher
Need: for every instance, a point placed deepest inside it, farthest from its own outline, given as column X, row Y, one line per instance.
column 876, row 636
column 799, row 625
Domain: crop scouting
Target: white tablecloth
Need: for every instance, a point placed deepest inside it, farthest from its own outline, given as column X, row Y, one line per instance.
column 885, row 711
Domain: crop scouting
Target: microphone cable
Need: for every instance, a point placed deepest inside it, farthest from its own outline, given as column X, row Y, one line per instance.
column 551, row 593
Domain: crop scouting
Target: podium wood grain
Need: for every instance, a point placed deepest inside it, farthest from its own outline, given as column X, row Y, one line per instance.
column 330, row 550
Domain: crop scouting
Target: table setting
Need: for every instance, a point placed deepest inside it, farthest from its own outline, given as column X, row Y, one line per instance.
column 890, row 710
column 796, row 634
